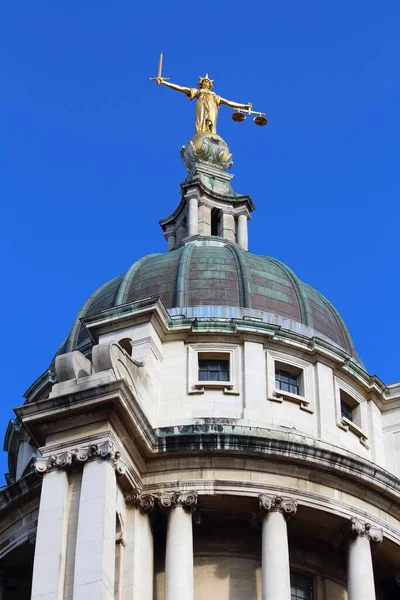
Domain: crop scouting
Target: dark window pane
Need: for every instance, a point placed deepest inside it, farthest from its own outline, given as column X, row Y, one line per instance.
column 287, row 382
column 346, row 410
column 301, row 587
column 213, row 370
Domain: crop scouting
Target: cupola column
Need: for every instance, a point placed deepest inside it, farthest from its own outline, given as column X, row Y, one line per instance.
column 179, row 547
column 171, row 239
column 275, row 548
column 360, row 574
column 193, row 216
column 242, row 234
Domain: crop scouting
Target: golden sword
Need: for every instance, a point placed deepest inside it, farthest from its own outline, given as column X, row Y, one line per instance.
column 159, row 76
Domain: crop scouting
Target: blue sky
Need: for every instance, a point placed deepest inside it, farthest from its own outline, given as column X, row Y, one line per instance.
column 89, row 153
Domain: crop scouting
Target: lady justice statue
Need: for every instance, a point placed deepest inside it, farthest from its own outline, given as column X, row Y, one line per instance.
column 207, row 106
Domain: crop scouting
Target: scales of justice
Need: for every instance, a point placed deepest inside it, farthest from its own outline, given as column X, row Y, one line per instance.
column 206, row 143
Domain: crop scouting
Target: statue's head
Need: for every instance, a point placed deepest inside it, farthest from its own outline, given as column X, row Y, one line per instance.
column 206, row 82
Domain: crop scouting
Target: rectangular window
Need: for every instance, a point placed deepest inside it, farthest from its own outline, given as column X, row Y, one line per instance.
column 301, row 587
column 213, row 369
column 346, row 410
column 287, row 382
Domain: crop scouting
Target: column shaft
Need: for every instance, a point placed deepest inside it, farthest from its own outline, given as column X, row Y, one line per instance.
column 275, row 558
column 242, row 234
column 51, row 538
column 179, row 555
column 360, row 575
column 193, row 217
column 171, row 241
column 95, row 544
column 139, row 558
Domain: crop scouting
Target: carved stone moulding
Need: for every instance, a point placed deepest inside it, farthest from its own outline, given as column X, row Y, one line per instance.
column 209, row 148
column 185, row 500
column 144, row 502
column 287, row 506
column 357, row 527
column 68, row 459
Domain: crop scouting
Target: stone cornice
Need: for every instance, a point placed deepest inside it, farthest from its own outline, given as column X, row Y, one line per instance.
column 153, row 308
column 69, row 459
column 17, row 493
column 286, row 506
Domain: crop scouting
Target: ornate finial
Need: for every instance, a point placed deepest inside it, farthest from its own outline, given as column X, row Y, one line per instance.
column 287, row 506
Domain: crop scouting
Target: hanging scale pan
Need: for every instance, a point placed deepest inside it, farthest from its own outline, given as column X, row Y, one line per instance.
column 260, row 120
column 238, row 116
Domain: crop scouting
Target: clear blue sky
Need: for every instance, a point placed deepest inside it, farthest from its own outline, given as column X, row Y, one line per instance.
column 89, row 153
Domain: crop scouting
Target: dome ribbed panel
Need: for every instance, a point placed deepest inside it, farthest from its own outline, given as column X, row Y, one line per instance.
column 272, row 289
column 103, row 300
column 208, row 273
column 325, row 320
column 212, row 277
column 155, row 277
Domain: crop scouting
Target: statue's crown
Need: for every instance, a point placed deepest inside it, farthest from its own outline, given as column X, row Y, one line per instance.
column 206, row 78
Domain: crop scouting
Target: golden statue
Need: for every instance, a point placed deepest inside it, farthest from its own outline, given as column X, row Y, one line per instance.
column 208, row 103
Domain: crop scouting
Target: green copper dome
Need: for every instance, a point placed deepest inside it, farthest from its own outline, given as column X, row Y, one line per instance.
column 210, row 272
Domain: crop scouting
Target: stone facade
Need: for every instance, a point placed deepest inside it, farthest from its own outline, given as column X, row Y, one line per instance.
column 203, row 451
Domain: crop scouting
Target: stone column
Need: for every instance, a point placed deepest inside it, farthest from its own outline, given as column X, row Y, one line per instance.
column 193, row 216
column 51, row 538
column 275, row 547
column 139, row 563
column 95, row 542
column 228, row 227
column 360, row 574
column 179, row 548
column 242, row 235
column 171, row 240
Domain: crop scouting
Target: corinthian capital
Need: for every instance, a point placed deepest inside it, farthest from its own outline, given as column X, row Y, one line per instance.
column 287, row 506
column 66, row 460
column 186, row 500
column 365, row 529
column 144, row 502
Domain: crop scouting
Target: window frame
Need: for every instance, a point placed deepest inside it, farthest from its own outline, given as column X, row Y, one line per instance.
column 306, row 381
column 358, row 423
column 219, row 370
column 310, row 576
column 213, row 352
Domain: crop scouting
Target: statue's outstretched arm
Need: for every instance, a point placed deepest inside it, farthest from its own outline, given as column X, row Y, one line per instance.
column 173, row 86
column 236, row 104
